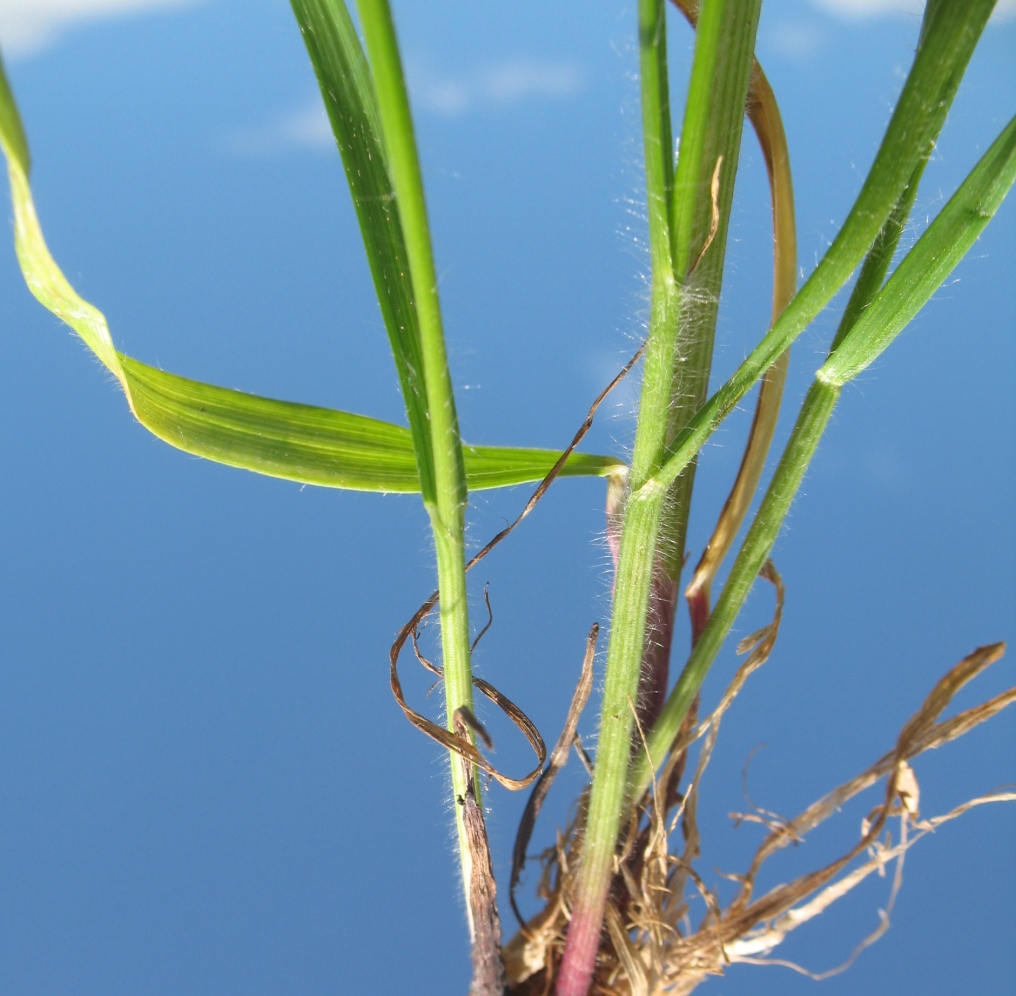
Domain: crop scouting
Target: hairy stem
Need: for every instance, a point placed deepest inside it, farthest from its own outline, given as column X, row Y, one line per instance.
column 687, row 230
column 447, row 508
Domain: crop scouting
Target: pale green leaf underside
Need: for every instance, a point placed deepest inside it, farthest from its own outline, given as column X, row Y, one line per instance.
column 283, row 439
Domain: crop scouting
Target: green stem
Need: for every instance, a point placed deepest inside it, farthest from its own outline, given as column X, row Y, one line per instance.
column 687, row 231
column 447, row 509
column 613, row 750
column 949, row 34
column 764, row 114
column 641, row 523
column 659, row 164
column 811, row 423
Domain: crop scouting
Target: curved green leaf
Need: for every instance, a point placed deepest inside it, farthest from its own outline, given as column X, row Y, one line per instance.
column 282, row 439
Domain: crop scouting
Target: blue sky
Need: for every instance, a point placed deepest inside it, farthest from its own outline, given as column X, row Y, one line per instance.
column 206, row 785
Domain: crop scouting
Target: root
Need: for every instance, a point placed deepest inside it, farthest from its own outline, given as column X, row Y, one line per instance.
column 650, row 946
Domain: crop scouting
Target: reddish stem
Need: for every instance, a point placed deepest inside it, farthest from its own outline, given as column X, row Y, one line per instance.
column 663, row 596
column 698, row 611
column 580, row 947
column 583, row 941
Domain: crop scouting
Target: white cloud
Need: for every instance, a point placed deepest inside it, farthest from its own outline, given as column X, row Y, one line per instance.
column 794, row 41
column 27, row 26
column 871, row 8
column 1005, row 10
column 499, row 85
column 305, row 128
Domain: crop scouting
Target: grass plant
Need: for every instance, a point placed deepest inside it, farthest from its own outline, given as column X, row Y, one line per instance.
column 614, row 888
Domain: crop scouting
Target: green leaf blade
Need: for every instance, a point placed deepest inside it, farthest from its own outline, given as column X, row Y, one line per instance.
column 297, row 442
column 499, row 467
column 319, row 446
column 929, row 263
column 351, row 103
column 12, row 133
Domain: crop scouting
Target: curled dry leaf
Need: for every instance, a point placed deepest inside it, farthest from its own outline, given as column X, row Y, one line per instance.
column 558, row 759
